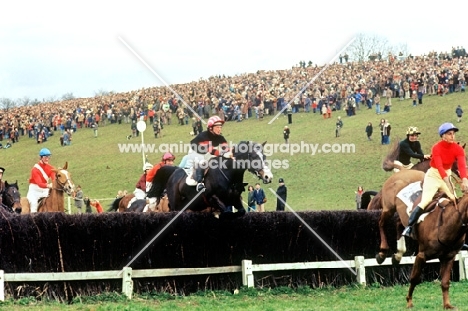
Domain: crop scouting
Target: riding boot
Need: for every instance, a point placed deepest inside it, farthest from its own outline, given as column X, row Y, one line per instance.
column 412, row 220
column 464, row 247
column 199, row 172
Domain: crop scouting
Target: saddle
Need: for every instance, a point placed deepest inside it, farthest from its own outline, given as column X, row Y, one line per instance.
column 432, row 205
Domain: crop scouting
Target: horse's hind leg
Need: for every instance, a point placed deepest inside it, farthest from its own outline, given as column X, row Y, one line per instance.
column 383, row 238
column 401, row 244
column 415, row 278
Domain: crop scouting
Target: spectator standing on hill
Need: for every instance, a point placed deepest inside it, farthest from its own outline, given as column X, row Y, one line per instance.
column 377, row 103
column 339, row 125
column 260, row 198
column 286, row 133
column 251, row 200
column 381, row 126
column 78, row 199
column 289, row 111
column 282, row 193
column 369, row 130
column 386, row 132
column 459, row 112
column 414, row 96
column 358, row 198
column 95, row 128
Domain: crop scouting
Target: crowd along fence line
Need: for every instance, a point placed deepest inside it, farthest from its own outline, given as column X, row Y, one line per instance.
column 247, row 268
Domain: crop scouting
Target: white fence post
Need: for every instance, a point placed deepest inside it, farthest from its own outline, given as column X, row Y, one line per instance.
column 360, row 270
column 127, row 282
column 463, row 265
column 247, row 273
column 69, row 205
column 2, row 285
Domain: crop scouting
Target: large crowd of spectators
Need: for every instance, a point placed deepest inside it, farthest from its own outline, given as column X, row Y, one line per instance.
column 343, row 85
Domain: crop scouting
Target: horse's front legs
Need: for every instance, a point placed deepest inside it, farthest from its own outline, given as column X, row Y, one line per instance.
column 445, row 269
column 415, row 278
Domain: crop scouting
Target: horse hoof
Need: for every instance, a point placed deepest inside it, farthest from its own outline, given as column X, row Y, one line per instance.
column 379, row 258
column 395, row 261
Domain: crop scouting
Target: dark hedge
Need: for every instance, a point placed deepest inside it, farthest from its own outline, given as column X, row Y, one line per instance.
column 55, row 242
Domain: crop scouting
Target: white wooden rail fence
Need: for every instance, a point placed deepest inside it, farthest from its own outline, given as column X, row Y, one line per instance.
column 247, row 269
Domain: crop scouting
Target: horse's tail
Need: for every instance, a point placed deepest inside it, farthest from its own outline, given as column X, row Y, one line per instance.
column 366, row 198
column 376, row 202
column 388, row 163
column 115, row 205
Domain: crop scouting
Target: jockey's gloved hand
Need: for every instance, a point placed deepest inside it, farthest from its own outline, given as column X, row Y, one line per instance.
column 228, row 155
column 464, row 185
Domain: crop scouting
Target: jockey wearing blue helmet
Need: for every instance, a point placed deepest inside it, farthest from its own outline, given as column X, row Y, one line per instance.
column 45, row 152
column 40, row 181
column 444, row 154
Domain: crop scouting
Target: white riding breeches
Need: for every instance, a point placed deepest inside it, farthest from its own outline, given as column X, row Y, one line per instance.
column 34, row 194
column 139, row 194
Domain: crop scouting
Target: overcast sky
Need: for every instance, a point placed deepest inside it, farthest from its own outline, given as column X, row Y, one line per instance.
column 50, row 48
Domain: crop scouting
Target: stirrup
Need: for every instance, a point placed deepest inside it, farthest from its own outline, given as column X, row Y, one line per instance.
column 200, row 187
column 407, row 231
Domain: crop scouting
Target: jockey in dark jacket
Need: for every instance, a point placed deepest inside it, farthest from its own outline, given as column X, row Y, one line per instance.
column 410, row 148
column 208, row 144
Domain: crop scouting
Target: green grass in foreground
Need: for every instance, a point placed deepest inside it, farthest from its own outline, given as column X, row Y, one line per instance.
column 427, row 296
column 324, row 181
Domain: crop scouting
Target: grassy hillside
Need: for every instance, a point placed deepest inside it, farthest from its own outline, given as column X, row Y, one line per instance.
column 324, row 181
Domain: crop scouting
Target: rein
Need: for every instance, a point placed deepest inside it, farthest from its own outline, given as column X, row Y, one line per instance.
column 62, row 185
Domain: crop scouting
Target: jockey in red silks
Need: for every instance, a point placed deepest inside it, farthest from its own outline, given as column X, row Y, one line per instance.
column 41, row 174
column 140, row 187
column 167, row 159
column 207, row 144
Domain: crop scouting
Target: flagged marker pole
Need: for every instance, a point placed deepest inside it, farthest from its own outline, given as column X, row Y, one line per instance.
column 141, row 127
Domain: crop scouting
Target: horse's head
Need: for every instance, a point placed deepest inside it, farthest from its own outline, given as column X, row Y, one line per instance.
column 63, row 179
column 250, row 155
column 12, row 197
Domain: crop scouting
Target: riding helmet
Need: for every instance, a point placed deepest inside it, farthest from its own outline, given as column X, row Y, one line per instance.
column 214, row 120
column 412, row 130
column 281, row 180
column 444, row 128
column 44, row 152
column 2, row 170
column 168, row 156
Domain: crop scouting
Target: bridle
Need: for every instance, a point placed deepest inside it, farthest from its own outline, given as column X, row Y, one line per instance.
column 64, row 184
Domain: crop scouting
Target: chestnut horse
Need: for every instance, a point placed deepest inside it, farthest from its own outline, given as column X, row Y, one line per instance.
column 54, row 202
column 441, row 235
column 391, row 204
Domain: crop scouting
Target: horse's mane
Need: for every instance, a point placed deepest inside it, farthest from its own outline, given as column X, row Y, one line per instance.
column 387, row 163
